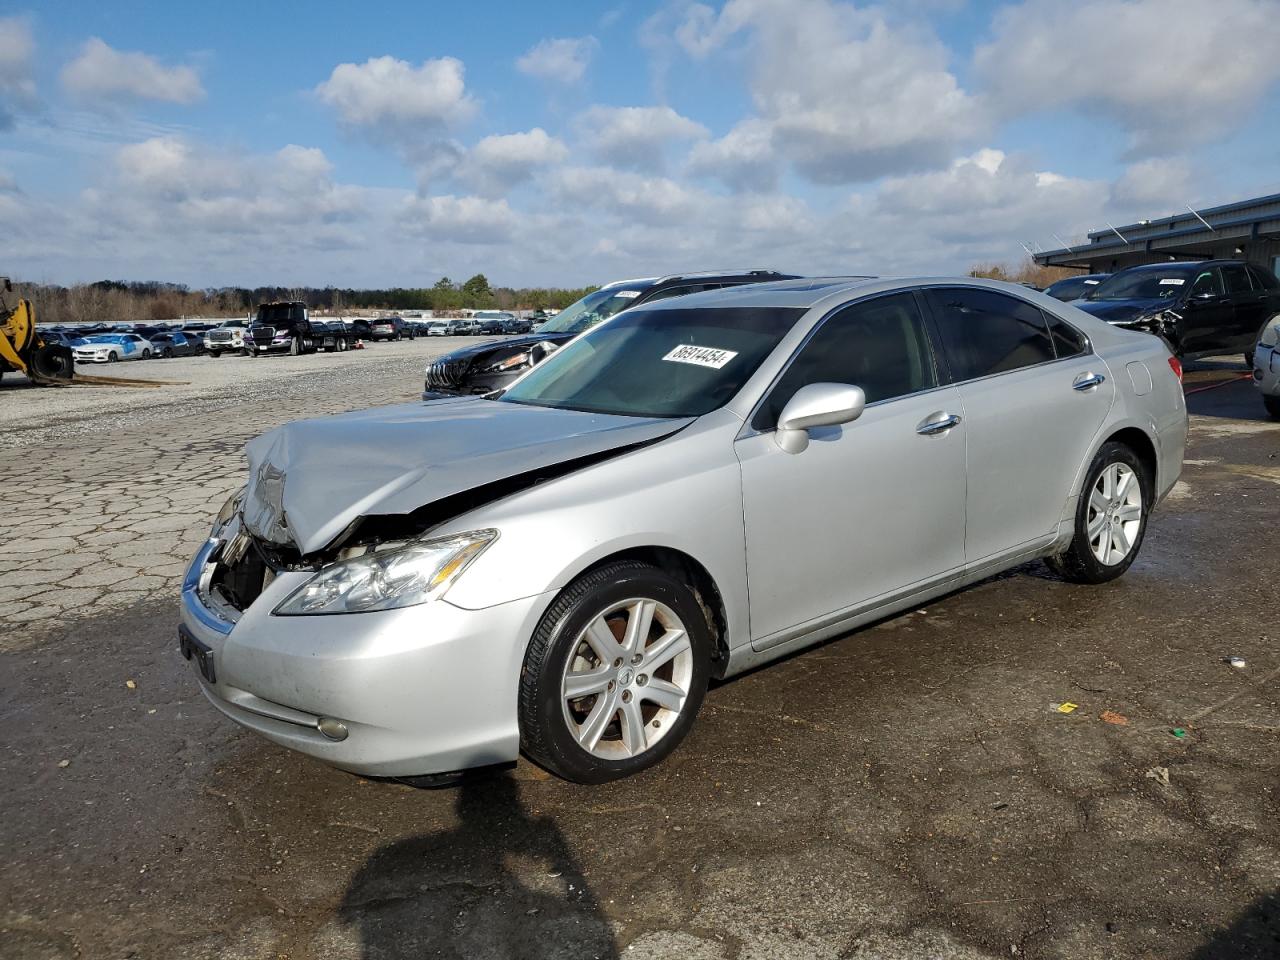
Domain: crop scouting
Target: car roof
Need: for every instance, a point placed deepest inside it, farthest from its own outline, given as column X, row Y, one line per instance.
column 1179, row 264
column 777, row 293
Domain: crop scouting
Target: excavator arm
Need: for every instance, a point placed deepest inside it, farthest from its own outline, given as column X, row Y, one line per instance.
column 23, row 349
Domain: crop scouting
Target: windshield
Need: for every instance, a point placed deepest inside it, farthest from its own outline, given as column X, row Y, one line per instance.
column 1142, row 285
column 658, row 363
column 593, row 308
column 278, row 312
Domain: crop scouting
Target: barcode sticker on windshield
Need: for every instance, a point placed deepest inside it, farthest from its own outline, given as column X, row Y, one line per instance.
column 627, row 294
column 1092, row 283
column 1172, row 282
column 701, row 356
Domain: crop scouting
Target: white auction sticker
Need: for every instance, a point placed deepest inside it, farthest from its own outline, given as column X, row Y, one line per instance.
column 627, row 294
column 1093, row 283
column 1172, row 282
column 701, row 356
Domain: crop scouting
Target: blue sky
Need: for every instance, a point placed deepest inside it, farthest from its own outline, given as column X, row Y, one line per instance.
column 562, row 144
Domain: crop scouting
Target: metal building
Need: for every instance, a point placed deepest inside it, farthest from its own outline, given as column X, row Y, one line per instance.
column 1245, row 230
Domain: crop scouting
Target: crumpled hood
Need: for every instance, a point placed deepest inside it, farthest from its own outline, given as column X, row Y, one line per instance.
column 510, row 344
column 308, row 480
column 1121, row 311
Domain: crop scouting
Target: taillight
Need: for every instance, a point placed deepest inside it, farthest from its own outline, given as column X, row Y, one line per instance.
column 1176, row 366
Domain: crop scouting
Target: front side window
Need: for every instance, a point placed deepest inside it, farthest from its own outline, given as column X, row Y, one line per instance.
column 1236, row 279
column 595, row 307
column 984, row 332
column 658, row 363
column 1207, row 284
column 682, row 290
column 879, row 345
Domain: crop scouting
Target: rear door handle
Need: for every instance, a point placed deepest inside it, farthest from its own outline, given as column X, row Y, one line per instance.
column 939, row 422
column 1087, row 381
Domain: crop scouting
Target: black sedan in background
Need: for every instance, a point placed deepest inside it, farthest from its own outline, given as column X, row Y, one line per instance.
column 1201, row 308
column 1073, row 288
column 492, row 365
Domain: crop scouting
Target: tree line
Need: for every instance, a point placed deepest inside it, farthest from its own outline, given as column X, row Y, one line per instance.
column 114, row 301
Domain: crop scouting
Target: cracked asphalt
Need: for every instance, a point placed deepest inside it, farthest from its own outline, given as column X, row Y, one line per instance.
column 906, row 791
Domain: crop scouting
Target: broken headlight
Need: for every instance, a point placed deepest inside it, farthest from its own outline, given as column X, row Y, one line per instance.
column 516, row 361
column 388, row 579
column 229, row 510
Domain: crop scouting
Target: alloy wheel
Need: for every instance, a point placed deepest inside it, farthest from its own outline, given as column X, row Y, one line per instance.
column 1115, row 513
column 627, row 679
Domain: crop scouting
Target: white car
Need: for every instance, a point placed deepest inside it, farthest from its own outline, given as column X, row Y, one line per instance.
column 110, row 347
column 1266, row 366
column 438, row 328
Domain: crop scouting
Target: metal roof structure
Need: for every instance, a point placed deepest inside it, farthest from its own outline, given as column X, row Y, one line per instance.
column 1244, row 230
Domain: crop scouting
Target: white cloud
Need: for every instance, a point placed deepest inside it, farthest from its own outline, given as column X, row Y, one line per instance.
column 17, row 57
column 397, row 99
column 1172, row 72
column 635, row 138
column 171, row 187
column 849, row 96
column 498, row 163
column 1155, row 187
column 743, row 158
column 562, row 60
column 460, row 219
column 103, row 74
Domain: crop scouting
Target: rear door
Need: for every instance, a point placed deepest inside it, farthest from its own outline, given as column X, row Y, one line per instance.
column 1248, row 304
column 1034, row 397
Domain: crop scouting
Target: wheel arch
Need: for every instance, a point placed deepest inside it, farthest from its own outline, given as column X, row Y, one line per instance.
column 1144, row 449
column 690, row 571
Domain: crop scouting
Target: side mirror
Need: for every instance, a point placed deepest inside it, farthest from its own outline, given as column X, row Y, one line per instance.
column 817, row 405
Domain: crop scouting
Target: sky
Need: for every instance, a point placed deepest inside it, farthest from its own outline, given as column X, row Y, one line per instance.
column 564, row 144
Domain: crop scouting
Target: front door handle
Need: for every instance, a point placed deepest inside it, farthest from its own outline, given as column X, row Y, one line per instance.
column 939, row 422
column 1087, row 381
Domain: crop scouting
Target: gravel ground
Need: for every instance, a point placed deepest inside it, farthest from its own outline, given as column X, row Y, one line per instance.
column 204, row 387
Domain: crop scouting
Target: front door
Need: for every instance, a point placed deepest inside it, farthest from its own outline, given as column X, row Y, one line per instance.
column 870, row 507
column 1034, row 399
column 1208, row 315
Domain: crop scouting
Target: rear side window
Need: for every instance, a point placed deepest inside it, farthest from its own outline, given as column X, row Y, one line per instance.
column 1236, row 278
column 984, row 332
column 879, row 345
column 1067, row 340
column 1263, row 278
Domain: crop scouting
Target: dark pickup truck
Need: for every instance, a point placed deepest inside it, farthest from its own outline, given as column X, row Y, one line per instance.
column 285, row 327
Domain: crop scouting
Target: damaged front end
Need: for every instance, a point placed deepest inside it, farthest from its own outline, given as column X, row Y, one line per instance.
column 1162, row 323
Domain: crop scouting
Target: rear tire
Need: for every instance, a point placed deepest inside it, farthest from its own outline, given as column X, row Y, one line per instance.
column 215, row 354
column 1111, row 518
column 1273, row 406
column 636, row 642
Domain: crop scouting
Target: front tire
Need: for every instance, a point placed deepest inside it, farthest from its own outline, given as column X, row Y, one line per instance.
column 295, row 347
column 615, row 673
column 1111, row 518
column 1273, row 406
column 112, row 357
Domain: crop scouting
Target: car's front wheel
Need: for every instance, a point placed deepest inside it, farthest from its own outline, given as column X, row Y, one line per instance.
column 1273, row 406
column 615, row 673
column 1111, row 518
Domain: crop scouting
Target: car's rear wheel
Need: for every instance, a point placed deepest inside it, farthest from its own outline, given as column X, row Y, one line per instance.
column 615, row 673
column 1111, row 518
column 1273, row 406
column 215, row 354
column 146, row 354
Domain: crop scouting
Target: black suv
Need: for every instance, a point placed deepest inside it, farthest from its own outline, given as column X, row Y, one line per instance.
column 1201, row 308
column 491, row 366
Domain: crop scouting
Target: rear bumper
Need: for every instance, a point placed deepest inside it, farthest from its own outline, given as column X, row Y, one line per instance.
column 423, row 690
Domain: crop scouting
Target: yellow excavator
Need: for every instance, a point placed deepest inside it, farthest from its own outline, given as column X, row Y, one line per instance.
column 23, row 349
column 45, row 364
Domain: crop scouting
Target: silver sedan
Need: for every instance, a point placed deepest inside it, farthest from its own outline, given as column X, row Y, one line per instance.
column 687, row 490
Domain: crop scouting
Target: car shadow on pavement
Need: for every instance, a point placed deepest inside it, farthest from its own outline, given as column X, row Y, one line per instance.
column 501, row 883
column 1254, row 934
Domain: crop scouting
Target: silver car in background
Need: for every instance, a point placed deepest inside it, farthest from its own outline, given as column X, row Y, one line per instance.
column 690, row 489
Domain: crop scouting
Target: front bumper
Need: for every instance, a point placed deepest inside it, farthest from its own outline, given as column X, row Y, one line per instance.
column 1266, row 370
column 423, row 690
